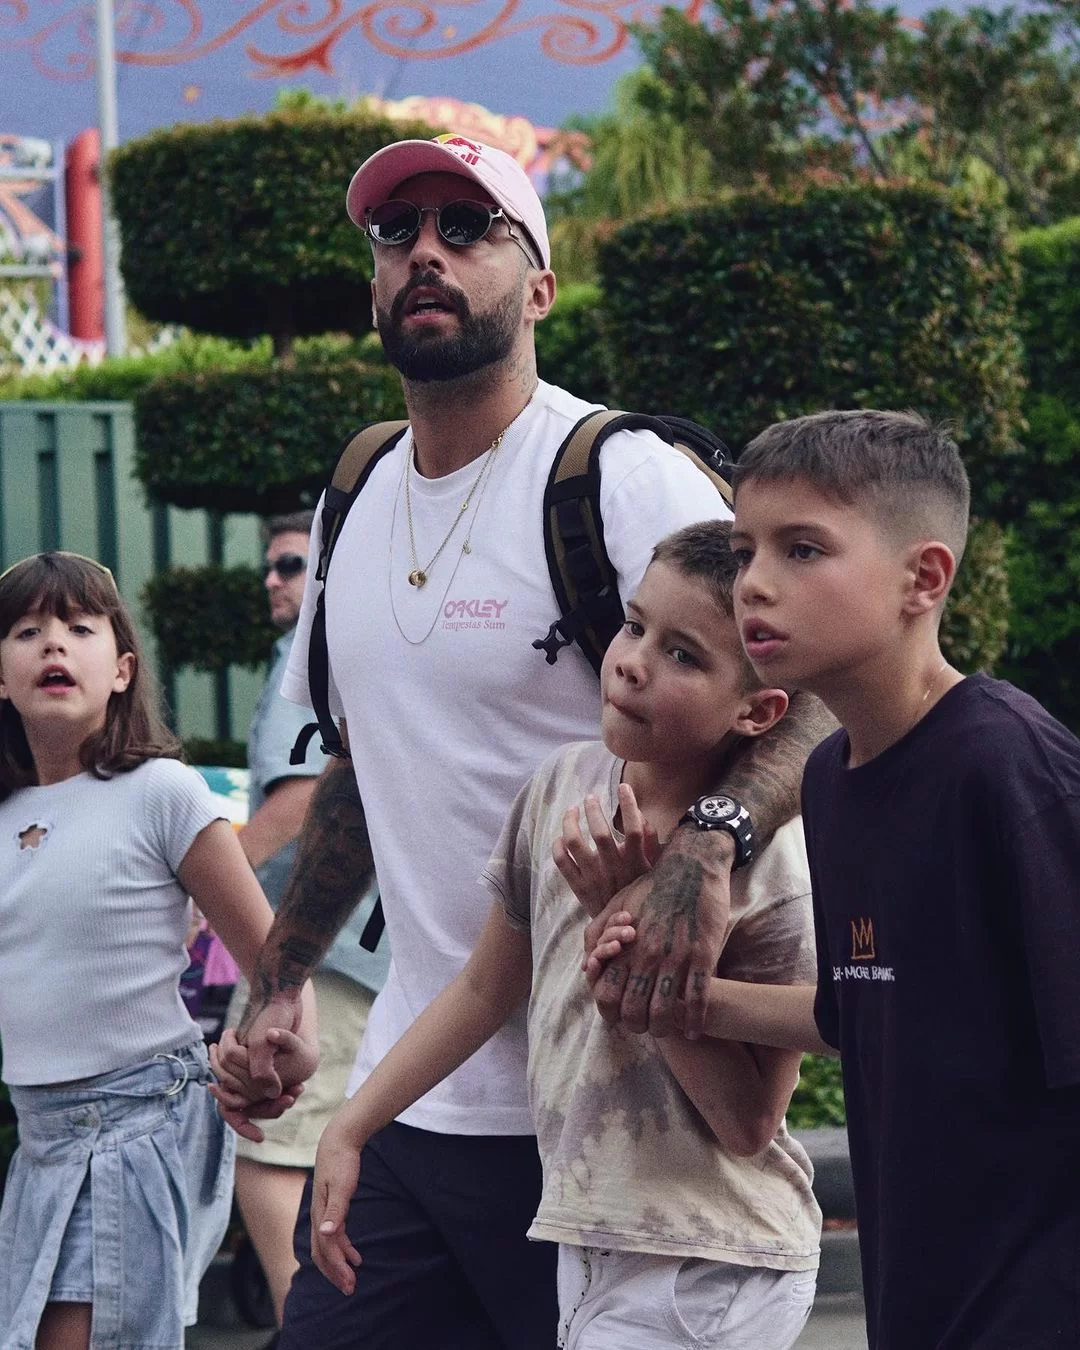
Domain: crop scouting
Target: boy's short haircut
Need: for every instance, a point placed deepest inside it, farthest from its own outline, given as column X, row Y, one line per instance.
column 908, row 468
column 703, row 553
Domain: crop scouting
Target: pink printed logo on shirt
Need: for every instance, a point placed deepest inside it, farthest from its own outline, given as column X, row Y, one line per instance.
column 486, row 614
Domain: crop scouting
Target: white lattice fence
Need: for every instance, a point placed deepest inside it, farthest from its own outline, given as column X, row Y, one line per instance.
column 31, row 344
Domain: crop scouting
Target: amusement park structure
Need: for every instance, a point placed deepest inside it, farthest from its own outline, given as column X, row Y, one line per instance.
column 51, row 258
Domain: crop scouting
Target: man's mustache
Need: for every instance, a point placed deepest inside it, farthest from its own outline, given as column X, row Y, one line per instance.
column 430, row 281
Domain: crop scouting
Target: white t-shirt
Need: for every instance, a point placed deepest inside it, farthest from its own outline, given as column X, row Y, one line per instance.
column 93, row 920
column 450, row 708
column 627, row 1162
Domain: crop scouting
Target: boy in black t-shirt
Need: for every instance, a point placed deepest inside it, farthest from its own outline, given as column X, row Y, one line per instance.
column 943, row 828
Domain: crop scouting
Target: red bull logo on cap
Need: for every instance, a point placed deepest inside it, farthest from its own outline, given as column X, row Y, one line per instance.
column 465, row 150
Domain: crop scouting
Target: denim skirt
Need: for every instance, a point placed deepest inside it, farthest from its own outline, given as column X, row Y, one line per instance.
column 119, row 1195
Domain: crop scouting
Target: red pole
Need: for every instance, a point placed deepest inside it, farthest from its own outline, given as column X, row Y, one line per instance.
column 86, row 260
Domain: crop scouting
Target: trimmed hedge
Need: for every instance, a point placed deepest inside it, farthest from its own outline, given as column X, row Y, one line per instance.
column 208, row 750
column 209, row 617
column 570, row 347
column 764, row 306
column 1044, row 546
column 255, row 440
column 239, row 228
column 818, row 1099
column 975, row 625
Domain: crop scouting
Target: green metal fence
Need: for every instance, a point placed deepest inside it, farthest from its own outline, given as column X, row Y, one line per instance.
column 66, row 482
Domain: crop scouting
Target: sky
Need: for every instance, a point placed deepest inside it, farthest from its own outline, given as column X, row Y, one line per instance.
column 190, row 60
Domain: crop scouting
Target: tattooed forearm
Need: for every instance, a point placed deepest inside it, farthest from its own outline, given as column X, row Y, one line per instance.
column 332, row 870
column 766, row 775
column 674, row 898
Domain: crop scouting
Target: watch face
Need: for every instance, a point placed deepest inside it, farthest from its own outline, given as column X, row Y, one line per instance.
column 717, row 808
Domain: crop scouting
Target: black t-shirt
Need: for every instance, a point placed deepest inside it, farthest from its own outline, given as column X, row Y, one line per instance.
column 946, row 876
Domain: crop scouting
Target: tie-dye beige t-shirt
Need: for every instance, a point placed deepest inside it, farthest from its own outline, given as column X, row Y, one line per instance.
column 628, row 1162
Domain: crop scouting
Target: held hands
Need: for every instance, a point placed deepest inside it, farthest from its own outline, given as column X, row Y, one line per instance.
column 337, row 1171
column 261, row 1076
column 239, row 1099
column 680, row 915
column 597, row 872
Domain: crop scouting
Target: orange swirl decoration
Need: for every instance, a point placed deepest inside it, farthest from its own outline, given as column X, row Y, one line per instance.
column 579, row 32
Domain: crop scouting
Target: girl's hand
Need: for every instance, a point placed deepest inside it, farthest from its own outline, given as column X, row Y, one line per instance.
column 598, row 871
column 618, row 934
column 337, row 1170
column 237, row 1098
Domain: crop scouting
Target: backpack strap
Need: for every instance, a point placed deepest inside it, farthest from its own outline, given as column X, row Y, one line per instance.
column 582, row 576
column 360, row 455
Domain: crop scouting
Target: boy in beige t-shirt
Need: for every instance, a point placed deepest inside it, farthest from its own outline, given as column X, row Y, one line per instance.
column 683, row 1209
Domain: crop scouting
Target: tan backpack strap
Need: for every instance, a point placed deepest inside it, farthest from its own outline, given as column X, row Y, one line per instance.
column 356, row 455
column 574, row 456
column 349, row 470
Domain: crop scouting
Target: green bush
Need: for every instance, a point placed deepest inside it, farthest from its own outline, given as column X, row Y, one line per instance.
column 975, row 626
column 209, row 617
column 254, row 440
column 570, row 348
column 239, row 228
column 122, row 377
column 765, row 306
column 819, row 1098
column 1043, row 653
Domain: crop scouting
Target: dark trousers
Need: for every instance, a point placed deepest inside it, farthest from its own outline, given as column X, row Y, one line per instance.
column 440, row 1222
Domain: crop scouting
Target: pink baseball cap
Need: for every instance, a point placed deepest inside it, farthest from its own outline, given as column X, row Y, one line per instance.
column 498, row 173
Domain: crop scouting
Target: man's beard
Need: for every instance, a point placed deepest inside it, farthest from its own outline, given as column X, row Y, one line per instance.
column 479, row 342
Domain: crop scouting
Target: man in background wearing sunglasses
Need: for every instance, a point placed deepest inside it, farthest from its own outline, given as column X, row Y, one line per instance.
column 270, row 1175
column 437, row 588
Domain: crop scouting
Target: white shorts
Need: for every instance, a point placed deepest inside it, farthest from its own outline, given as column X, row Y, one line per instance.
column 611, row 1300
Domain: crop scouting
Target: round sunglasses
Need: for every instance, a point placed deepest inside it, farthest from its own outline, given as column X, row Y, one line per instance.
column 289, row 565
column 460, row 223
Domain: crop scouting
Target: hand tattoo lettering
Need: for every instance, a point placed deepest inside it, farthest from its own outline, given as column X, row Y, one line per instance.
column 675, row 897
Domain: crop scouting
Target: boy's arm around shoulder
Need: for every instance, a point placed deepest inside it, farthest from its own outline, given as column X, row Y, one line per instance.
column 468, row 1012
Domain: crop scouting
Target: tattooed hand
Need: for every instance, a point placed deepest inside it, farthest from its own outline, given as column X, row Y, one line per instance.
column 681, row 911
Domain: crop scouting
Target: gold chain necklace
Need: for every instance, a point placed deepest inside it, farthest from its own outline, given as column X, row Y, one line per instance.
column 419, row 575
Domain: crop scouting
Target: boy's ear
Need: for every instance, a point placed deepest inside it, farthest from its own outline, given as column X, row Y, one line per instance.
column 761, row 711
column 125, row 672
column 931, row 569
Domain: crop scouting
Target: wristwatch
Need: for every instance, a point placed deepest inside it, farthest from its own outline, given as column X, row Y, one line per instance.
column 714, row 812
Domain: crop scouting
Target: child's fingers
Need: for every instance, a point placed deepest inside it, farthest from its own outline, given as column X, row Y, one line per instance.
column 572, row 839
column 566, row 863
column 633, row 822
column 238, row 1119
column 603, row 840
column 336, row 1173
column 601, row 954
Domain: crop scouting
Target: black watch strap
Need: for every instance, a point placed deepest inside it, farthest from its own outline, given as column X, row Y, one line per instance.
column 716, row 811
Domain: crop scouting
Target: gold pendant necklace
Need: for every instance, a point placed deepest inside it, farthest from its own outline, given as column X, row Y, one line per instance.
column 418, row 575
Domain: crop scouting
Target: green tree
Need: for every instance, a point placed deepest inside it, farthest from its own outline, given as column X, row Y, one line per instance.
column 638, row 157
column 992, row 89
column 773, row 92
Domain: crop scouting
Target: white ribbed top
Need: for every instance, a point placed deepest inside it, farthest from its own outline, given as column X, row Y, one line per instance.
column 93, row 919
